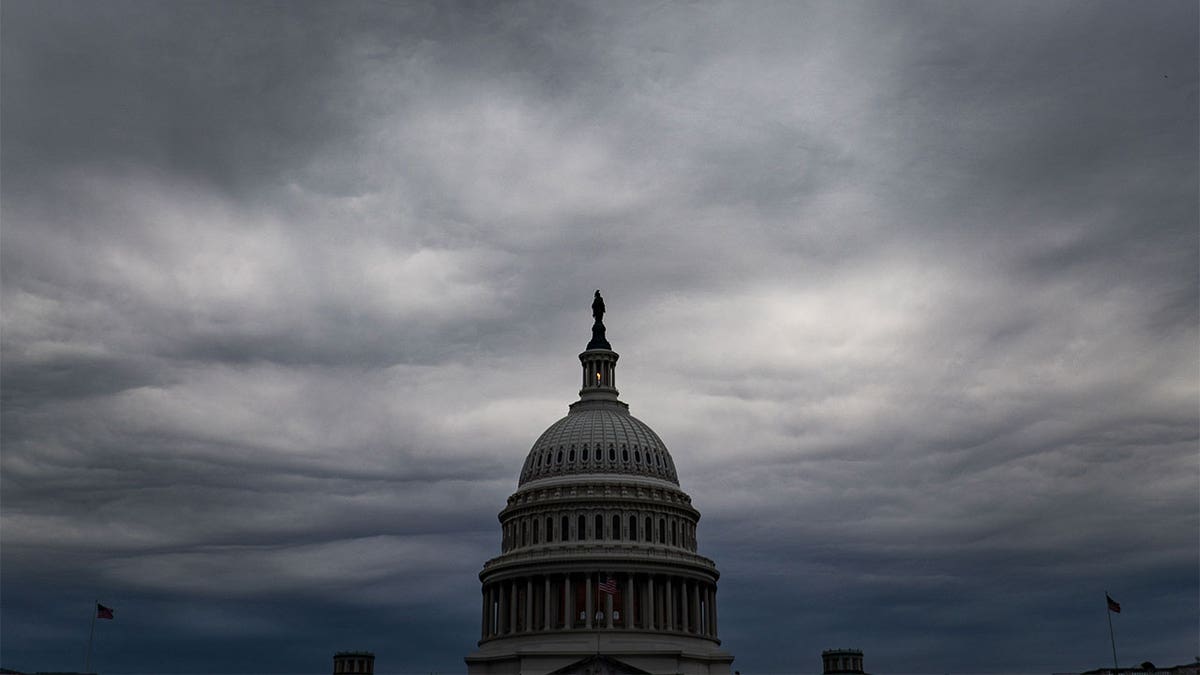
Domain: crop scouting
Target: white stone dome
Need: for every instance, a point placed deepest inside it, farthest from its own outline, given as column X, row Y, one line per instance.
column 598, row 437
column 598, row 568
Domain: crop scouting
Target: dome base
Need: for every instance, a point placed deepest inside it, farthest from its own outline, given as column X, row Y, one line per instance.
column 599, row 652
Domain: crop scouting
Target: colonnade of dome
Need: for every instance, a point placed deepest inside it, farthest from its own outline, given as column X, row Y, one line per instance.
column 643, row 601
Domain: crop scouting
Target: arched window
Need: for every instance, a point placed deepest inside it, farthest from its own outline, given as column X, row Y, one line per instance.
column 616, row 528
column 612, row 454
column 599, row 526
column 625, row 454
column 648, row 533
column 633, row 528
column 559, row 457
column 523, row 528
column 585, row 453
column 571, row 455
column 564, row 531
column 637, row 456
column 674, row 532
column 582, row 524
column 536, row 539
column 662, row 530
column 549, row 530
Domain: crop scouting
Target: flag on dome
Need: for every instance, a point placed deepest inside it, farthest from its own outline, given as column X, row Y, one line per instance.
column 1113, row 605
column 609, row 586
column 103, row 612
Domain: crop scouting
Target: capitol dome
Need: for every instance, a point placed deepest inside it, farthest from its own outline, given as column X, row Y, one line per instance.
column 597, row 438
column 599, row 570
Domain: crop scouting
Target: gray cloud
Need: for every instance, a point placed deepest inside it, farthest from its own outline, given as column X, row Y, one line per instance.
column 909, row 291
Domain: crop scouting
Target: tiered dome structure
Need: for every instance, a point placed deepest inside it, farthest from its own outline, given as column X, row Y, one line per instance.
column 598, row 570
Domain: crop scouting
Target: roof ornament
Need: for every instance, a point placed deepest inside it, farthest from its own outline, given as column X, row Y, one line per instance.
column 598, row 340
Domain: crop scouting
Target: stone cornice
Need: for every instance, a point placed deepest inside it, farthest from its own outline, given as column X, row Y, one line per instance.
column 583, row 557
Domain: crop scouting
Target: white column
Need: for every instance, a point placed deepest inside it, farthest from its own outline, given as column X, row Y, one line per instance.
column 628, row 601
column 527, row 624
column 714, row 610
column 546, row 605
column 494, row 610
column 483, row 631
column 512, row 606
column 699, row 626
column 650, row 623
column 705, row 610
column 502, row 608
column 568, row 603
column 685, row 606
column 608, row 606
column 670, row 604
column 588, row 599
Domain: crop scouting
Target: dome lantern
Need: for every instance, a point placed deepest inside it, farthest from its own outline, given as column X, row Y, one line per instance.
column 599, row 361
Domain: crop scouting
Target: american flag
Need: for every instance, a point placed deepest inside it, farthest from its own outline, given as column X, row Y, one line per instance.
column 609, row 585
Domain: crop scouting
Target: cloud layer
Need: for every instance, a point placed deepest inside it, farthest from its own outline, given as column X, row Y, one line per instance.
column 910, row 291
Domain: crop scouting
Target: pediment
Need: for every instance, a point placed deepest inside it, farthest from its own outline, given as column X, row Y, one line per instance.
column 599, row 665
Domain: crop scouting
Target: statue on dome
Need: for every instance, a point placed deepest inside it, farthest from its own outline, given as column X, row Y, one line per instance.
column 598, row 339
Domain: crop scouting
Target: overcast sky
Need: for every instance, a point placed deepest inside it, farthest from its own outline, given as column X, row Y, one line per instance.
column 908, row 289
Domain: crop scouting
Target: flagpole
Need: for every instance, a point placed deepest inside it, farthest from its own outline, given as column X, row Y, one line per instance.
column 87, row 662
column 1111, row 639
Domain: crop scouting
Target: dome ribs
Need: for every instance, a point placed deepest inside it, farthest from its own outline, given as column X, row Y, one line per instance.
column 616, row 442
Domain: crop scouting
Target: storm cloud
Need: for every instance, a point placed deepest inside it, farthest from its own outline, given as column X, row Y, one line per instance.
column 909, row 290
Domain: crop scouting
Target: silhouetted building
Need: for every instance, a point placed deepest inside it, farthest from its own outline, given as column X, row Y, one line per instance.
column 839, row 661
column 1148, row 668
column 599, row 571
column 359, row 663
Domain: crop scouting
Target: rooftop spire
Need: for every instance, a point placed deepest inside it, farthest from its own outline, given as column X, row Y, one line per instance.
column 598, row 340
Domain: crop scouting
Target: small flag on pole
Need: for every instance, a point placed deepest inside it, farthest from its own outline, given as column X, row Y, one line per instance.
column 609, row 586
column 103, row 612
column 1113, row 605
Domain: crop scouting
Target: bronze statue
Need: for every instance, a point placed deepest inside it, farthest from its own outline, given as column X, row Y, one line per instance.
column 598, row 339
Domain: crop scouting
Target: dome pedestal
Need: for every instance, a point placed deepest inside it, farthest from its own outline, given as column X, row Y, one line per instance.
column 600, row 652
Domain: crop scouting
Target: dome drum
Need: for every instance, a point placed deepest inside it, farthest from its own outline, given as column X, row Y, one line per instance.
column 638, row 527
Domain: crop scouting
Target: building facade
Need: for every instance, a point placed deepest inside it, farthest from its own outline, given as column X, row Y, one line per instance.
column 599, row 570
column 354, row 663
column 842, row 662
